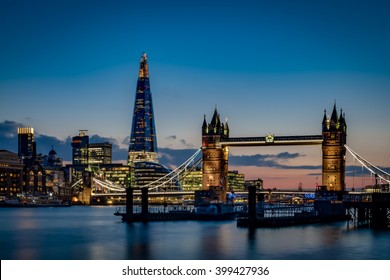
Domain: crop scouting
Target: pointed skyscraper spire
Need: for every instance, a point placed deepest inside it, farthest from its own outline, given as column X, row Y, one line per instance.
column 143, row 69
column 143, row 142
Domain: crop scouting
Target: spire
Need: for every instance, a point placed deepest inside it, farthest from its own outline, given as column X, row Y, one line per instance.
column 143, row 69
column 215, row 124
column 215, row 119
column 334, row 118
column 226, row 130
column 341, row 119
column 204, row 126
column 325, row 122
column 343, row 124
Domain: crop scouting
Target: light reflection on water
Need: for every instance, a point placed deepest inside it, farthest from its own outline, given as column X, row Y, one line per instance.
column 95, row 233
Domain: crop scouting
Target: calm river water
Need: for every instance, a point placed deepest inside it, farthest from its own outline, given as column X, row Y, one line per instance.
column 94, row 233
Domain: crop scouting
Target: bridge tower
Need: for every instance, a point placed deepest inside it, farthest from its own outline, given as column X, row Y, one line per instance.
column 334, row 133
column 215, row 157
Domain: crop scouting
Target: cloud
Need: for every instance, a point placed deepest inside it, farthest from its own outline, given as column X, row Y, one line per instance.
column 269, row 160
column 126, row 141
column 172, row 158
column 169, row 157
column 9, row 141
column 63, row 147
column 173, row 139
column 358, row 170
column 9, row 135
column 118, row 153
column 188, row 145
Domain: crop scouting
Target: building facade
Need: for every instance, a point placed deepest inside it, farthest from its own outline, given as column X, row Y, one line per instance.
column 55, row 179
column 26, row 143
column 258, row 183
column 143, row 141
column 11, row 173
column 86, row 154
column 192, row 180
column 117, row 173
column 80, row 144
column 100, row 153
column 236, row 181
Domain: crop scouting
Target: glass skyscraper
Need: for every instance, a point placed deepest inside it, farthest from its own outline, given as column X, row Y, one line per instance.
column 143, row 142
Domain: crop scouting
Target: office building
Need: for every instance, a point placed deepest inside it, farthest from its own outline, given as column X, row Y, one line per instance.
column 11, row 173
column 80, row 144
column 26, row 144
column 100, row 153
column 143, row 142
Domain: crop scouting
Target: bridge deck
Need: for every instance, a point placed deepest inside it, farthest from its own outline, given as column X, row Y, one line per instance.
column 272, row 141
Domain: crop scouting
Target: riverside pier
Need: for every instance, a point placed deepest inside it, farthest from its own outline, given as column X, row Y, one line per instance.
column 360, row 209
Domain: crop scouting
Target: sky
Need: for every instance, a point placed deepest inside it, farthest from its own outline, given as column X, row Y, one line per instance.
column 268, row 67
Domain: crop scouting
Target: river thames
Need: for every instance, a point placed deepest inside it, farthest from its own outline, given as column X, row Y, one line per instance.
column 94, row 233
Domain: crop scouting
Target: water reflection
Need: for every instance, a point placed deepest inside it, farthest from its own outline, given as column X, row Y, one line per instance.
column 137, row 237
column 94, row 233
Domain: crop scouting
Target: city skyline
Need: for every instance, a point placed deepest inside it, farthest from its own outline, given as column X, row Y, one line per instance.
column 267, row 67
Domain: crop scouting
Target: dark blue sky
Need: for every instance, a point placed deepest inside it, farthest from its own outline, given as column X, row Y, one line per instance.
column 269, row 66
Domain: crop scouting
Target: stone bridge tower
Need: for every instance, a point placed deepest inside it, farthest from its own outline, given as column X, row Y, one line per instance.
column 334, row 133
column 215, row 157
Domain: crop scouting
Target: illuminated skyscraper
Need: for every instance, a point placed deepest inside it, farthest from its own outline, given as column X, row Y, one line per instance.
column 25, row 142
column 80, row 146
column 143, row 142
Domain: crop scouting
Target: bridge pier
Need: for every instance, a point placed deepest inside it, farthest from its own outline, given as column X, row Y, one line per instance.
column 372, row 210
column 252, row 215
column 362, row 216
column 144, row 204
column 129, row 216
column 129, row 204
column 379, row 218
column 85, row 196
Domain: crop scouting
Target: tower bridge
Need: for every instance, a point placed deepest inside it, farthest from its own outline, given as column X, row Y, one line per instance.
column 216, row 142
column 215, row 149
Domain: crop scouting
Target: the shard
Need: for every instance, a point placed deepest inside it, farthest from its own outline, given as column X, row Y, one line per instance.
column 143, row 142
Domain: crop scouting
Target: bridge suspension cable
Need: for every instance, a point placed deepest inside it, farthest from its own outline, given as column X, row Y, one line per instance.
column 383, row 175
column 109, row 185
column 77, row 182
column 174, row 174
column 189, row 165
